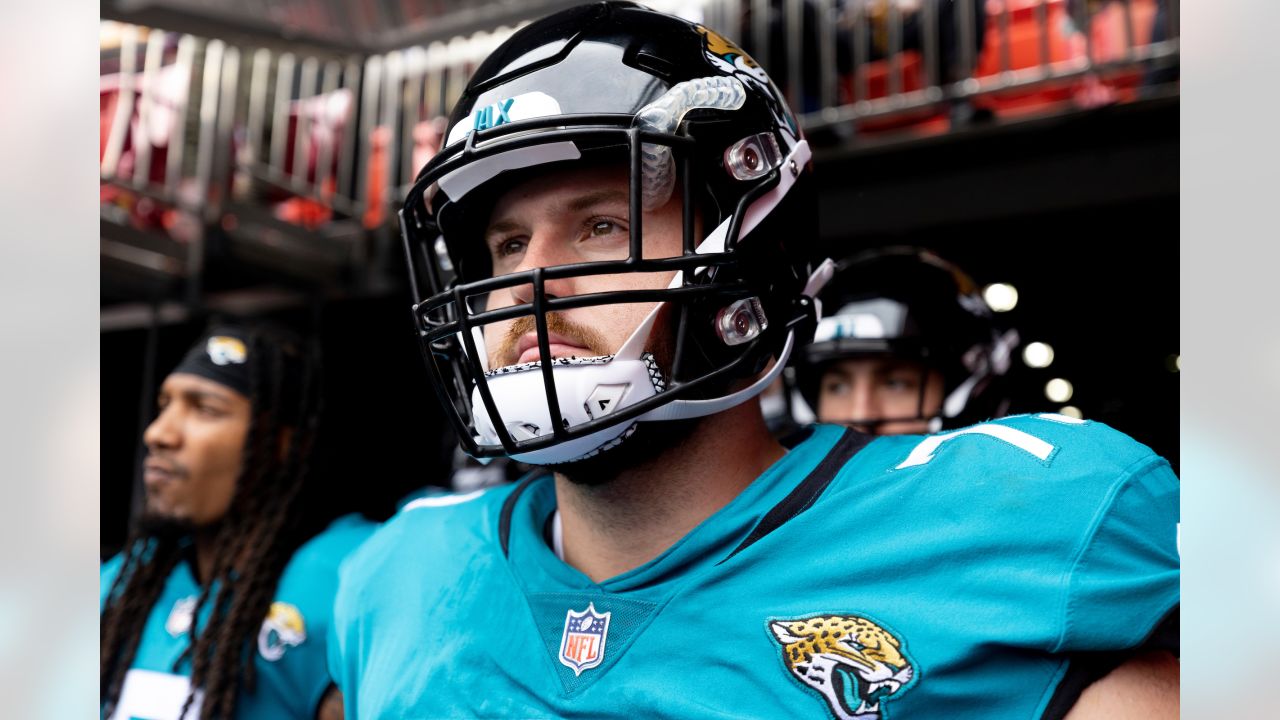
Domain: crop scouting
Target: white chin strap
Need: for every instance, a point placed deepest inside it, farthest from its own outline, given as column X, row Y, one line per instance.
column 586, row 389
column 594, row 387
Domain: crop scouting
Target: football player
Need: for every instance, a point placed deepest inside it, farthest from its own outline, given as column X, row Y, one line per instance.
column 906, row 344
column 625, row 200
column 217, row 608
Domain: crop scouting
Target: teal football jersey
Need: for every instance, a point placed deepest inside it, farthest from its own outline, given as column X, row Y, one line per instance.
column 289, row 651
column 959, row 575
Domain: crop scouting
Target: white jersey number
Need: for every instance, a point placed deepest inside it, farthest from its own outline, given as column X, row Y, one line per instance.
column 1041, row 450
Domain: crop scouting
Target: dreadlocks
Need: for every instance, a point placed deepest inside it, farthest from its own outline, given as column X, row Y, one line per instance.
column 255, row 539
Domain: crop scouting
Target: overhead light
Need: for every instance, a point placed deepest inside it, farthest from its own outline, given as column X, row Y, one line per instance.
column 1173, row 363
column 1038, row 355
column 1002, row 297
column 1058, row 390
column 1071, row 411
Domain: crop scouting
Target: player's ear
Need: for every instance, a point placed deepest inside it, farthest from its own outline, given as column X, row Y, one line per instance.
column 780, row 631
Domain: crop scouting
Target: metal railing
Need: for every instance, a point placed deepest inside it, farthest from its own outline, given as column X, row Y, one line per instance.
column 344, row 135
column 195, row 126
column 159, row 141
column 842, row 61
column 300, row 127
column 427, row 82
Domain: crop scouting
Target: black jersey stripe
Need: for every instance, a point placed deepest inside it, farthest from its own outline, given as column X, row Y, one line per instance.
column 509, row 506
column 1084, row 669
column 809, row 489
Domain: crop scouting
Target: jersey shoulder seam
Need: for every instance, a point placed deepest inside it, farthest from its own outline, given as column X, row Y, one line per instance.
column 1123, row 480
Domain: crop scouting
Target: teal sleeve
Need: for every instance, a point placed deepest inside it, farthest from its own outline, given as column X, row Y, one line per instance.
column 339, row 661
column 1125, row 577
column 313, row 580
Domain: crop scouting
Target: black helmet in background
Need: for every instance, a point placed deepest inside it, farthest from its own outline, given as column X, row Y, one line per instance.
column 906, row 310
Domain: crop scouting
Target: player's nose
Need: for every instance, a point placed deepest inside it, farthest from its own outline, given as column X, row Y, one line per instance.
column 165, row 431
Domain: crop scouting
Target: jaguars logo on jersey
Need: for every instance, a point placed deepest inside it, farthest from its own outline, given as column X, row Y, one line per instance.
column 282, row 629
column 816, row 649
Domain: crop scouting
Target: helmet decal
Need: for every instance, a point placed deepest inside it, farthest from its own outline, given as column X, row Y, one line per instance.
column 521, row 107
column 730, row 58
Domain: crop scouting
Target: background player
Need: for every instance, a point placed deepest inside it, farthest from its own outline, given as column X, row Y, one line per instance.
column 906, row 345
column 213, row 610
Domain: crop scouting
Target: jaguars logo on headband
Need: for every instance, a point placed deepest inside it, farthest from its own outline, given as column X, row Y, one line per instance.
column 225, row 350
column 867, row 657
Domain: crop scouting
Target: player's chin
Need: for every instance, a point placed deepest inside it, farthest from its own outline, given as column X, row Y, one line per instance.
column 158, row 503
column 164, row 522
column 649, row 442
column 911, row 427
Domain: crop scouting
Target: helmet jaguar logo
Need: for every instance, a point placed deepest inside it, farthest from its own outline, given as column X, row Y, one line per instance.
column 282, row 629
column 730, row 59
column 724, row 47
column 816, row 649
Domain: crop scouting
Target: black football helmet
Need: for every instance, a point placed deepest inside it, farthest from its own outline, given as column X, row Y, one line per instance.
column 693, row 118
column 907, row 303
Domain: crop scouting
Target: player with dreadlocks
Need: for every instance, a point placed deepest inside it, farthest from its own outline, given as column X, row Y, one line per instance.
column 216, row 608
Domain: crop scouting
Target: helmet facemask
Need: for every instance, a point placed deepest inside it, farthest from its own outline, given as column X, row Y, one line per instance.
column 726, row 311
column 695, row 122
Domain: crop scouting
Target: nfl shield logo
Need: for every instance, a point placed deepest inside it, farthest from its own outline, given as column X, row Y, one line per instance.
column 582, row 646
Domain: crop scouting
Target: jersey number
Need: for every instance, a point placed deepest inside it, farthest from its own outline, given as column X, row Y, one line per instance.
column 1026, row 442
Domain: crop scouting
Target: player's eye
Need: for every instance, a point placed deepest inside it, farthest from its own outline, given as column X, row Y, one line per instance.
column 601, row 228
column 835, row 387
column 509, row 246
column 901, row 383
column 209, row 410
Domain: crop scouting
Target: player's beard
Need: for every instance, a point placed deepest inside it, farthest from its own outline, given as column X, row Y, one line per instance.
column 649, row 443
column 164, row 527
column 651, row 440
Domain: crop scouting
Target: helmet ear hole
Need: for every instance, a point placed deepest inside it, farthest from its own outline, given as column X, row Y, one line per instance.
column 752, row 157
column 741, row 321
